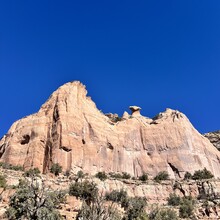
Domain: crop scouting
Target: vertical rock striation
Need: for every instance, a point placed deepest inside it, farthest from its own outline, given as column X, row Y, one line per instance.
column 70, row 130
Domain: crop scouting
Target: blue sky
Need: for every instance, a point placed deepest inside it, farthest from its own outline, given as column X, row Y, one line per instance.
column 154, row 54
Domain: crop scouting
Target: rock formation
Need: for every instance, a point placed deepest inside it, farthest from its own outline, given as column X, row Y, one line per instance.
column 135, row 110
column 214, row 138
column 71, row 131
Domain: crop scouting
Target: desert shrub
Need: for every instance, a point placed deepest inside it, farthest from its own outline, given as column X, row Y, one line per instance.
column 101, row 175
column 32, row 172
column 143, row 177
column 187, row 176
column 32, row 201
column 186, row 207
column 126, row 175
column 116, row 196
column 135, row 208
column 173, row 200
column 11, row 167
column 163, row 214
column 122, row 175
column 3, row 181
column 80, row 174
column 56, row 169
column 163, row 175
column 85, row 190
column 202, row 174
column 98, row 210
column 115, row 175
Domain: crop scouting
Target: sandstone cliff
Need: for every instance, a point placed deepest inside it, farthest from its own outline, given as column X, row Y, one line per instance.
column 70, row 130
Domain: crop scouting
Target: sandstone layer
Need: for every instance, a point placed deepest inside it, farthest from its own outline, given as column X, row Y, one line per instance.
column 71, row 131
column 206, row 192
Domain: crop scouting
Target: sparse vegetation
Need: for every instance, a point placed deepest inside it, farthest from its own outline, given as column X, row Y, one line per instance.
column 163, row 214
column 202, row 174
column 8, row 166
column 56, row 169
column 143, row 177
column 25, row 203
column 124, row 175
column 163, row 175
column 3, row 181
column 116, row 196
column 85, row 190
column 186, row 207
column 97, row 210
column 115, row 175
column 32, row 172
column 135, row 208
column 187, row 176
column 101, row 175
column 173, row 200
column 80, row 175
column 34, row 201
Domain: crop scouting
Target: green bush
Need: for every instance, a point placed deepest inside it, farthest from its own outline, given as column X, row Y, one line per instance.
column 144, row 177
column 163, row 175
column 32, row 172
column 56, row 169
column 31, row 201
column 187, row 176
column 173, row 200
column 101, row 175
column 98, row 210
column 135, row 208
column 11, row 167
column 163, row 214
column 80, row 174
column 186, row 207
column 3, row 181
column 126, row 175
column 85, row 190
column 115, row 175
column 116, row 196
column 202, row 174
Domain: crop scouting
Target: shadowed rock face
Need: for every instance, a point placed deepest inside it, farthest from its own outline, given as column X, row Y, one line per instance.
column 214, row 138
column 70, row 130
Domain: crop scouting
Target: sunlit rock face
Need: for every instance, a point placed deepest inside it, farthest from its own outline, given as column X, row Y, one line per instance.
column 70, row 130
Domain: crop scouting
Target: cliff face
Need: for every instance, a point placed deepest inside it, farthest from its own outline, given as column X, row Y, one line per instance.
column 70, row 130
column 214, row 138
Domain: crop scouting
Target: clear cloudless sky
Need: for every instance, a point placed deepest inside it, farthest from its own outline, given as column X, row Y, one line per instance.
column 154, row 54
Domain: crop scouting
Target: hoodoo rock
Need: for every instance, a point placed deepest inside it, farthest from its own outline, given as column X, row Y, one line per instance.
column 135, row 110
column 71, row 131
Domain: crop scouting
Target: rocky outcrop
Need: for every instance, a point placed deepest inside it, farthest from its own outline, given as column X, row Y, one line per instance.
column 135, row 110
column 214, row 138
column 70, row 130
